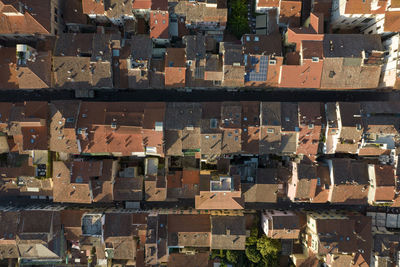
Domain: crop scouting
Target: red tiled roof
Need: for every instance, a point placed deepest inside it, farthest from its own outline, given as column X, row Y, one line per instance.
column 159, row 21
column 392, row 21
column 37, row 19
column 22, row 23
column 385, row 193
column 307, row 75
column 141, row 4
column 190, row 176
column 395, row 4
column 128, row 135
column 219, row 200
column 290, row 12
column 8, row 73
column 159, row 5
column 93, row 7
column 34, row 138
column 175, row 67
column 358, row 7
column 268, row 3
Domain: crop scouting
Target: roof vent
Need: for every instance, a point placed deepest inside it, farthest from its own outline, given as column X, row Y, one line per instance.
column 159, row 126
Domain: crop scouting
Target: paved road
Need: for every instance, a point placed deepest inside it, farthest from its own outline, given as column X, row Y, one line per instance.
column 204, row 95
column 27, row 203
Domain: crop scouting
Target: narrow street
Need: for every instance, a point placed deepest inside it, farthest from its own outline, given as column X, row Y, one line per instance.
column 27, row 203
column 154, row 95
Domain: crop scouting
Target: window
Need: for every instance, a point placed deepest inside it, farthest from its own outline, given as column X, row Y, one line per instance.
column 332, row 74
column 311, row 126
column 155, row 22
column 366, row 20
column 55, row 18
column 256, row 39
column 213, row 123
column 248, row 38
column 163, row 21
column 270, row 130
column 315, row 59
column 55, row 11
column 272, row 62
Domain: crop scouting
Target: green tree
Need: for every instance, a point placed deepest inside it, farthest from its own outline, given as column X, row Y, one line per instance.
column 253, row 254
column 252, row 239
column 232, row 256
column 217, row 253
column 239, row 7
column 267, row 246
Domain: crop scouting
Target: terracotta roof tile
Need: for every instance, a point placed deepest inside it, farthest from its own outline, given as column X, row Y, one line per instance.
column 392, row 21
column 395, row 4
column 308, row 75
column 199, row 13
column 228, row 232
column 179, row 259
column 63, row 118
column 93, row 7
column 264, row 44
column 159, row 21
column 268, row 3
column 25, row 23
column 141, row 4
column 290, row 12
column 8, row 72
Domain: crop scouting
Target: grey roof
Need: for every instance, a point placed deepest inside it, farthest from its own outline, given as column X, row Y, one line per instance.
column 195, row 46
column 271, row 113
column 290, row 116
column 347, row 170
column 350, row 45
column 228, row 232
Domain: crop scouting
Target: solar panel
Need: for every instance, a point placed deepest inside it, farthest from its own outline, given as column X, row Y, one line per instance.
column 261, row 75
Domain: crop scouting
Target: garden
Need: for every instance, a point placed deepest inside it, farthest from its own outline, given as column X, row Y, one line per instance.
column 260, row 251
column 238, row 19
